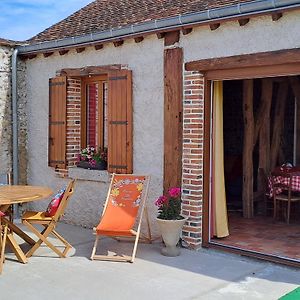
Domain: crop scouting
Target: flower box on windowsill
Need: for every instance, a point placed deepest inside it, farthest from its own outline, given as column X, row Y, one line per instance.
column 86, row 165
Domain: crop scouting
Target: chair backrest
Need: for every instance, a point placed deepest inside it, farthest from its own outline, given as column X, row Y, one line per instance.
column 65, row 200
column 6, row 178
column 125, row 201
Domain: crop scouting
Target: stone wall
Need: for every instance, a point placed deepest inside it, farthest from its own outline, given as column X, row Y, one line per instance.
column 5, row 110
column 22, row 122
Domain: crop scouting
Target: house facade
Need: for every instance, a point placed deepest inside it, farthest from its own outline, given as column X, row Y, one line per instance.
column 163, row 75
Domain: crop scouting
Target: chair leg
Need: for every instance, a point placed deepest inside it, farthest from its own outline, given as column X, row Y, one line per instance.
column 288, row 212
column 68, row 246
column 134, row 248
column 42, row 239
column 3, row 244
column 148, row 224
column 95, row 247
column 275, row 210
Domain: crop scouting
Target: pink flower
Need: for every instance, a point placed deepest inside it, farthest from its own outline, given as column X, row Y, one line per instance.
column 92, row 162
column 161, row 200
column 174, row 192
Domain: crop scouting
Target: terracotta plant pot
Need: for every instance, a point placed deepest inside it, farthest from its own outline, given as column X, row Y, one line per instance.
column 86, row 165
column 171, row 231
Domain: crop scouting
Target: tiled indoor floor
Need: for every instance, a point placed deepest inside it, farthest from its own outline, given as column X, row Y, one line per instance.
column 263, row 235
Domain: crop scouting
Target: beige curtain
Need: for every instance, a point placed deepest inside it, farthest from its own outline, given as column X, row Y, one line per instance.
column 219, row 209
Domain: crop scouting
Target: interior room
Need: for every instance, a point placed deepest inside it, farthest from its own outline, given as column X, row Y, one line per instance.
column 261, row 135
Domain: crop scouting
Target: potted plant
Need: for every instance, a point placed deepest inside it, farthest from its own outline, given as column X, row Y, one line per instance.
column 170, row 220
column 92, row 158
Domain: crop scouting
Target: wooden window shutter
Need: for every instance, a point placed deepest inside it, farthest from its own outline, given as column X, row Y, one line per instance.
column 57, row 122
column 120, row 121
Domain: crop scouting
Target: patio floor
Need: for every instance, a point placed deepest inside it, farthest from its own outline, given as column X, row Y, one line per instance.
column 204, row 274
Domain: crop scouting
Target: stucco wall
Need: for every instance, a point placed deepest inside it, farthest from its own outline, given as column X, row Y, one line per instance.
column 259, row 35
column 5, row 109
column 146, row 62
column 145, row 59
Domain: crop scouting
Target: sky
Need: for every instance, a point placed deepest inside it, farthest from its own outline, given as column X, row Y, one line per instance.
column 22, row 19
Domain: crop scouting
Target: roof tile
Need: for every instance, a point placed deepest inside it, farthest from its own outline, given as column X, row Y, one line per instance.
column 105, row 14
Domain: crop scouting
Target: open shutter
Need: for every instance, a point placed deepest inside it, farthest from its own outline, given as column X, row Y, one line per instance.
column 120, row 121
column 57, row 121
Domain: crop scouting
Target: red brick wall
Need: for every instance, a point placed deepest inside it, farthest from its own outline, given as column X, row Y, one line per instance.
column 192, row 158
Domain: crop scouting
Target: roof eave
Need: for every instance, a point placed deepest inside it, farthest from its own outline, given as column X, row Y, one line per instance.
column 241, row 10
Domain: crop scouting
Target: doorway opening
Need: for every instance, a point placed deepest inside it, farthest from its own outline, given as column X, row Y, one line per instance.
column 260, row 134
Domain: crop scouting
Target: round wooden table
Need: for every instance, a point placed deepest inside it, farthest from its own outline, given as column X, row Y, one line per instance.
column 14, row 194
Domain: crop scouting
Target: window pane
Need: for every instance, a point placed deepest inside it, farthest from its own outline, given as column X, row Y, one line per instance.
column 92, row 114
column 105, row 89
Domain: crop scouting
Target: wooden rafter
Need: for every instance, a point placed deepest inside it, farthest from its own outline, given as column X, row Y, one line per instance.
column 63, row 51
column 118, row 43
column 138, row 39
column 98, row 46
column 172, row 37
column 160, row 35
column 186, row 31
column 276, row 16
column 47, row 54
column 80, row 49
column 214, row 26
column 244, row 21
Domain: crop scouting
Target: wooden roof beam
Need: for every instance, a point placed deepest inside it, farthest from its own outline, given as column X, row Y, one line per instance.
column 99, row 46
column 160, row 35
column 246, row 60
column 90, row 70
column 186, row 31
column 243, row 22
column 214, row 26
column 138, row 39
column 276, row 16
column 172, row 37
column 63, row 51
column 47, row 54
column 118, row 43
column 80, row 49
column 28, row 56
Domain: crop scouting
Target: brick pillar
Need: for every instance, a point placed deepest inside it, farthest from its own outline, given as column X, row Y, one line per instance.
column 192, row 159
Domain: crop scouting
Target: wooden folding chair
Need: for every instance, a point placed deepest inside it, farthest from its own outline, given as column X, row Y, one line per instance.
column 3, row 237
column 6, row 179
column 32, row 217
column 123, row 211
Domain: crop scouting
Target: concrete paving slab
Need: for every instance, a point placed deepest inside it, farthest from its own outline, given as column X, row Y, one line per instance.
column 205, row 274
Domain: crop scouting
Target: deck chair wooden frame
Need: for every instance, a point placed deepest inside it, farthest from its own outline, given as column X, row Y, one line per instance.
column 135, row 234
column 49, row 223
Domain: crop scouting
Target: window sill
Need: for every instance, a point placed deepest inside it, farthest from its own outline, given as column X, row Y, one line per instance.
column 89, row 175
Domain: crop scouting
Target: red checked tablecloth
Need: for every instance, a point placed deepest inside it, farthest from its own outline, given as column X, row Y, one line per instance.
column 295, row 184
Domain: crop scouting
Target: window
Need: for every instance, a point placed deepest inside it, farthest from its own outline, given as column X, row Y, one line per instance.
column 94, row 112
column 105, row 120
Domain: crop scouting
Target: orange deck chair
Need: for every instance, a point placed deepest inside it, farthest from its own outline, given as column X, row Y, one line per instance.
column 123, row 210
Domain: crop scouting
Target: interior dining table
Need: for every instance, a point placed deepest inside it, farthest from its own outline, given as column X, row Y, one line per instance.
column 16, row 194
column 279, row 179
